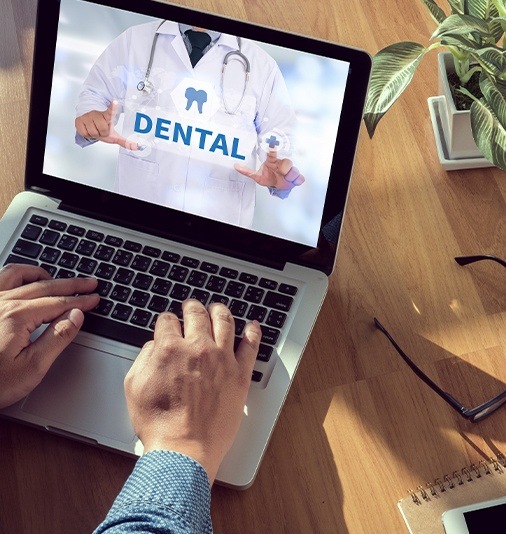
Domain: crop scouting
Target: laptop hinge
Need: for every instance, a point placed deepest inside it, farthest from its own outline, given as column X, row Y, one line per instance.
column 265, row 262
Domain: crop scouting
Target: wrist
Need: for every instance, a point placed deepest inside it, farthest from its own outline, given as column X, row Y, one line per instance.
column 194, row 450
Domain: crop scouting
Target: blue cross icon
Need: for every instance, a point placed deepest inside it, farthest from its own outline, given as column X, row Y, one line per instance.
column 272, row 141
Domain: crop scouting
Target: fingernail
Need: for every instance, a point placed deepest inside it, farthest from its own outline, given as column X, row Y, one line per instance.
column 76, row 317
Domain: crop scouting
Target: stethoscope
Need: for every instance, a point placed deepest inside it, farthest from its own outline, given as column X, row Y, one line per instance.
column 146, row 86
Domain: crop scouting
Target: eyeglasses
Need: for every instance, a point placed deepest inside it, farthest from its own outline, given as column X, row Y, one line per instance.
column 472, row 414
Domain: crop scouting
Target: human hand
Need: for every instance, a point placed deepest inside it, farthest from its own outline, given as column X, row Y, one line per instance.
column 187, row 394
column 274, row 172
column 99, row 125
column 29, row 297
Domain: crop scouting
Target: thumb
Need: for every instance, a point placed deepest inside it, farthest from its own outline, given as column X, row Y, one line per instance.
column 247, row 350
column 110, row 113
column 56, row 337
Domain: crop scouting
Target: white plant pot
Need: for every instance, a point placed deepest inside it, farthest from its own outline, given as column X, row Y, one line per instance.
column 456, row 123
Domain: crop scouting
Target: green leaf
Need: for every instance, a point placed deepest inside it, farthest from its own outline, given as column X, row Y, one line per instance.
column 457, row 6
column 488, row 121
column 437, row 13
column 494, row 92
column 459, row 41
column 392, row 70
column 462, row 25
column 483, row 9
column 493, row 60
column 488, row 134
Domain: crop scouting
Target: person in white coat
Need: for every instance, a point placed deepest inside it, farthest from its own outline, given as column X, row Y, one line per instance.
column 201, row 128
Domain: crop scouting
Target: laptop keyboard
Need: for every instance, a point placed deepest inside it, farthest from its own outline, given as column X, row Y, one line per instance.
column 137, row 282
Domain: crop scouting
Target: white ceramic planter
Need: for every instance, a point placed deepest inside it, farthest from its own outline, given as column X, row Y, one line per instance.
column 456, row 123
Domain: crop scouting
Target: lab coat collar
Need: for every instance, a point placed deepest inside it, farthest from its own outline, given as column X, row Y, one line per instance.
column 172, row 28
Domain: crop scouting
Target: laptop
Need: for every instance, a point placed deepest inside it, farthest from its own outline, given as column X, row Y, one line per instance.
column 180, row 202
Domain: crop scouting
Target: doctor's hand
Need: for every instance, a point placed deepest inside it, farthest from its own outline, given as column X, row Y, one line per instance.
column 274, row 172
column 99, row 125
column 29, row 297
column 186, row 393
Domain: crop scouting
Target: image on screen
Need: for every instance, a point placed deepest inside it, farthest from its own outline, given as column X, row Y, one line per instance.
column 490, row 519
column 245, row 138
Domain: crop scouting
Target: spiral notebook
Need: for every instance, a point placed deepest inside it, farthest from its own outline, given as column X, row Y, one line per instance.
column 422, row 508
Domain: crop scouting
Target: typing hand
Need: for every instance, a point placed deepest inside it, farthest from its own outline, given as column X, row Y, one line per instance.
column 29, row 297
column 99, row 125
column 274, row 172
column 187, row 393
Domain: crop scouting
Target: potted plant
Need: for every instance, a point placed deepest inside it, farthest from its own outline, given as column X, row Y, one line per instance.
column 473, row 35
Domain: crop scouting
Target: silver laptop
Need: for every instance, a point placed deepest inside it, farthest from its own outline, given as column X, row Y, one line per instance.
column 178, row 204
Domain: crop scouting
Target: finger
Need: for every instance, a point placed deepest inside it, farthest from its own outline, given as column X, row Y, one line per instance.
column 55, row 338
column 121, row 141
column 54, row 288
column 32, row 313
column 247, row 350
column 167, row 325
column 110, row 114
column 14, row 275
column 284, row 166
column 222, row 325
column 245, row 171
column 294, row 177
column 197, row 323
column 100, row 126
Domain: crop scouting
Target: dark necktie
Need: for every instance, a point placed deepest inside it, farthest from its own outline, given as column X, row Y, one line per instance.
column 199, row 41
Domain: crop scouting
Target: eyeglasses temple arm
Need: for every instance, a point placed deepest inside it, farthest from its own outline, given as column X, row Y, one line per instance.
column 443, row 394
column 464, row 260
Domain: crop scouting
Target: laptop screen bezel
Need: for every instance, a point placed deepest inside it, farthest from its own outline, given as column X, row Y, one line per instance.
column 186, row 227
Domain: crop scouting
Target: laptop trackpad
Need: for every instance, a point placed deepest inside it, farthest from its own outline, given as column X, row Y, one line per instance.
column 84, row 390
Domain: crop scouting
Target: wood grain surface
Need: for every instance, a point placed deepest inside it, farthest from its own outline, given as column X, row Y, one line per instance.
column 358, row 428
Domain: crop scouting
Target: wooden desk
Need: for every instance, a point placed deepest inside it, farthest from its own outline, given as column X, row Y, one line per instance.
column 358, row 428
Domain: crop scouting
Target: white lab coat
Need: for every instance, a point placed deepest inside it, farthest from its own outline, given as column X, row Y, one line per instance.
column 178, row 177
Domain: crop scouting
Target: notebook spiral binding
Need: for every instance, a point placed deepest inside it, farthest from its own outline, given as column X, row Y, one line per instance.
column 466, row 475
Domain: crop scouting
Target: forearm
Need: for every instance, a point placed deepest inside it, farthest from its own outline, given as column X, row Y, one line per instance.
column 166, row 492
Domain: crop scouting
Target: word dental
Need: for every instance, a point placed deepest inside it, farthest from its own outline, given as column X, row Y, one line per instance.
column 207, row 140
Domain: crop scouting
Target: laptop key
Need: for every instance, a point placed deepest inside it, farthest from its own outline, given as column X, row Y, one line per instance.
column 122, row 312
column 256, row 376
column 104, row 253
column 276, row 319
column 277, row 301
column 58, row 225
column 268, row 284
column 200, row 295
column 197, row 279
column 132, row 245
column 12, row 258
column 38, row 219
column 139, row 298
column 27, row 248
column 141, row 318
column 123, row 258
column 254, row 294
column 264, row 352
column 113, row 241
column 95, row 236
column 170, row 256
column 235, row 289
column 104, row 307
column 180, row 292
column 86, row 265
column 65, row 273
column 161, row 286
column 159, row 268
column 248, row 278
column 124, row 276
column 119, row 331
column 50, row 255
column 141, row 263
column 142, row 281
column 288, row 289
column 257, row 313
column 103, row 288
column 105, row 270
column 158, row 304
column 78, row 231
column 190, row 262
column 51, row 269
column 86, row 248
column 209, row 267
column 219, row 298
column 67, row 242
column 151, row 251
column 229, row 273
column 176, row 307
column 68, row 260
column 120, row 293
column 216, row 284
column 31, row 232
column 269, row 335
column 178, row 273
column 238, row 308
column 49, row 237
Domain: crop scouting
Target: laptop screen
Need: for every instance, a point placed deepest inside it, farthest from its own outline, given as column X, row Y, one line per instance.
column 243, row 134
